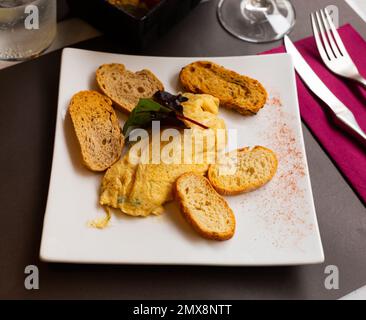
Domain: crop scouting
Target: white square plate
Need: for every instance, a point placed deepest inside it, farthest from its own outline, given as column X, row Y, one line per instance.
column 276, row 225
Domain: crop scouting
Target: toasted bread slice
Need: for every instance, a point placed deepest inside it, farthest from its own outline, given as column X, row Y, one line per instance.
column 207, row 212
column 241, row 93
column 253, row 168
column 124, row 87
column 97, row 129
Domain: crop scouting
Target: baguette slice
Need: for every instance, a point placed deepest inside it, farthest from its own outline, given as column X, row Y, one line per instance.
column 124, row 87
column 203, row 208
column 97, row 129
column 241, row 93
column 254, row 168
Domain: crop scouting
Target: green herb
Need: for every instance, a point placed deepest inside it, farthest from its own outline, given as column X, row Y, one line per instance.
column 166, row 107
column 173, row 102
column 135, row 202
column 146, row 111
column 121, row 199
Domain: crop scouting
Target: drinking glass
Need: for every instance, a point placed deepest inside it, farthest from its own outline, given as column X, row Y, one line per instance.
column 27, row 27
column 257, row 20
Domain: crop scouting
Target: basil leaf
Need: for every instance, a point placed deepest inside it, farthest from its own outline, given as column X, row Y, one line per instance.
column 144, row 113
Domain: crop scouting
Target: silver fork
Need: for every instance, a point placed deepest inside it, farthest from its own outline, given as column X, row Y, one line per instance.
column 332, row 49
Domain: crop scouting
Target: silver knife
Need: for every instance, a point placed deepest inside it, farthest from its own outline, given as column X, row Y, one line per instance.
column 318, row 87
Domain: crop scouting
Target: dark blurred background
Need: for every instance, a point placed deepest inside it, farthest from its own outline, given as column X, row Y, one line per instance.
column 63, row 10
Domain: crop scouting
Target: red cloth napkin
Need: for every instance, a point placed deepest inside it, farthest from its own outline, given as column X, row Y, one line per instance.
column 348, row 154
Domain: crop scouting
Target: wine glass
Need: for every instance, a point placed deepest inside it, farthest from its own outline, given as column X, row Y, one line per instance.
column 257, row 20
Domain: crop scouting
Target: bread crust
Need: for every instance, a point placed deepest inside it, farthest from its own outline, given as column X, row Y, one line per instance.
column 221, row 79
column 220, row 236
column 242, row 189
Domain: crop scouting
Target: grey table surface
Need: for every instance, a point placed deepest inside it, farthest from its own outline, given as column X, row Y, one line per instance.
column 24, row 137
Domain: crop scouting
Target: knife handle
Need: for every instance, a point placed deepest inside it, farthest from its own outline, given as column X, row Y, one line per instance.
column 360, row 79
column 348, row 119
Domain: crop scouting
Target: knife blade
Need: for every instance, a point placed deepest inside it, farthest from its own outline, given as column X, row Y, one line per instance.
column 317, row 86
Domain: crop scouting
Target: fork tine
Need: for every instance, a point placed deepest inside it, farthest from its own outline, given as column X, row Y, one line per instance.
column 319, row 43
column 337, row 38
column 329, row 34
column 327, row 48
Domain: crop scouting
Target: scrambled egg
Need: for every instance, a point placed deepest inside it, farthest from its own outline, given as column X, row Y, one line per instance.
column 101, row 223
column 204, row 108
column 141, row 189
